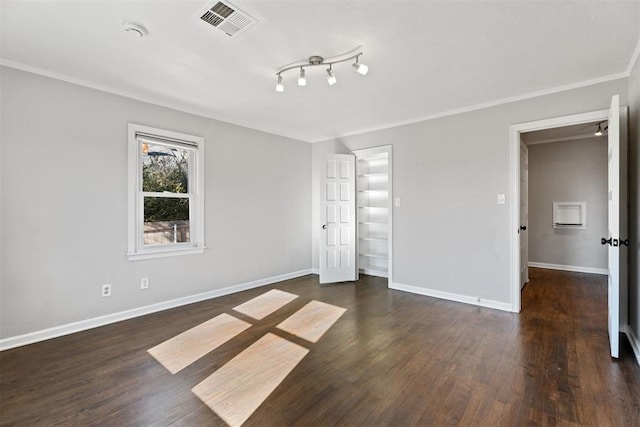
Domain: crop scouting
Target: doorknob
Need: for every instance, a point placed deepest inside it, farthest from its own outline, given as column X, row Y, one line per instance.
column 324, row 226
column 523, row 227
column 614, row 242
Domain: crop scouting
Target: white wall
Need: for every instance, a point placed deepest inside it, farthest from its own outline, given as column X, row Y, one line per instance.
column 63, row 169
column 568, row 171
column 634, row 199
column 450, row 235
column 64, row 205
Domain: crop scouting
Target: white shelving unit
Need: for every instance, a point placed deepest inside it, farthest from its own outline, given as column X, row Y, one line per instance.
column 373, row 167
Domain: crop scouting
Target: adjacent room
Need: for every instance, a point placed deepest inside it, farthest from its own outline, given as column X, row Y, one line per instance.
column 319, row 213
column 567, row 198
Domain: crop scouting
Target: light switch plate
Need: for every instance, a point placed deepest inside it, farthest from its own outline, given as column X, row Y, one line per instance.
column 397, row 202
column 501, row 199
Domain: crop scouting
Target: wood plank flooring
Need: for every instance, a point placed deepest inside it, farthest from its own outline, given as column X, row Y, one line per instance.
column 312, row 321
column 184, row 349
column 237, row 389
column 265, row 304
column 392, row 358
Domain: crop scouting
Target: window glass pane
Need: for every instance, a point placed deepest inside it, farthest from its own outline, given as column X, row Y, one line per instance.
column 164, row 168
column 166, row 220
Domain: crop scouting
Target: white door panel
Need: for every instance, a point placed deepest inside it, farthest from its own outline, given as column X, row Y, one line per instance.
column 614, row 210
column 338, row 219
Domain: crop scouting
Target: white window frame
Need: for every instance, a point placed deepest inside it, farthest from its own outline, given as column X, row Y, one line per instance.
column 136, row 248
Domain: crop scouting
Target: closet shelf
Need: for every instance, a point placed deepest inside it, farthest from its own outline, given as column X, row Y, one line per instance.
column 374, row 271
column 370, row 175
column 373, row 255
column 375, row 239
column 374, row 157
column 373, row 191
column 373, row 222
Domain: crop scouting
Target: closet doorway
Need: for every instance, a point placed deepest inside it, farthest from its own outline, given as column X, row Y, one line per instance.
column 356, row 214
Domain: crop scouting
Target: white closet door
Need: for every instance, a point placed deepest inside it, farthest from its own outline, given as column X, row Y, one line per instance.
column 338, row 219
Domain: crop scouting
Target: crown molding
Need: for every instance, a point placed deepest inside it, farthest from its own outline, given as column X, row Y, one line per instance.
column 633, row 59
column 483, row 106
column 138, row 97
column 202, row 113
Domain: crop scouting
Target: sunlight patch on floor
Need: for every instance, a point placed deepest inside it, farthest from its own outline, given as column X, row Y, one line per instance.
column 312, row 321
column 240, row 386
column 265, row 304
column 184, row 349
column 237, row 389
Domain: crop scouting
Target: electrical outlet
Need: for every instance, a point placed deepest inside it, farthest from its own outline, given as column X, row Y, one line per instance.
column 144, row 283
column 106, row 290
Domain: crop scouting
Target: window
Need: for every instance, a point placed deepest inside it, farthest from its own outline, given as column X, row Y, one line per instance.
column 166, row 207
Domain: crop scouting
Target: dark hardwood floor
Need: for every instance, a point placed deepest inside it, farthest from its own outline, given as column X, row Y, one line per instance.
column 392, row 359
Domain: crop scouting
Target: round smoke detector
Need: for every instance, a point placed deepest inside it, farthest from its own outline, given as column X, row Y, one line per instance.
column 136, row 31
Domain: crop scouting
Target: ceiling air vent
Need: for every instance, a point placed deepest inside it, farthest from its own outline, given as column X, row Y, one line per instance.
column 227, row 18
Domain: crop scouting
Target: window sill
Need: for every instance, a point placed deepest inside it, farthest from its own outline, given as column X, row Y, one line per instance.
column 163, row 253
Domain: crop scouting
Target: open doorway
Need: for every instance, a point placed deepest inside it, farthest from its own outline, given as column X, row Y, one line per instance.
column 564, row 193
column 616, row 215
column 517, row 146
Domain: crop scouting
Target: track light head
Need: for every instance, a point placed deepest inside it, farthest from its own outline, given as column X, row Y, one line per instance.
column 280, row 84
column 598, row 131
column 302, row 80
column 360, row 68
column 331, row 78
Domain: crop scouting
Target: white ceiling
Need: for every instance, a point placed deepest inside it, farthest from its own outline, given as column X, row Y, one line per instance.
column 425, row 57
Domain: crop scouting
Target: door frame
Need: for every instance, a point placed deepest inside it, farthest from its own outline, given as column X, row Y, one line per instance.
column 526, row 223
column 514, row 160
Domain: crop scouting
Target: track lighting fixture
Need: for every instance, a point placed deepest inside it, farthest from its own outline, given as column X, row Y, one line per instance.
column 316, row 60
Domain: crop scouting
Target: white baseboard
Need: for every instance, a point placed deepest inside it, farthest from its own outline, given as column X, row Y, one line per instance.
column 574, row 268
column 315, row 271
column 452, row 297
column 69, row 328
column 635, row 343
